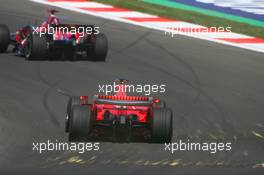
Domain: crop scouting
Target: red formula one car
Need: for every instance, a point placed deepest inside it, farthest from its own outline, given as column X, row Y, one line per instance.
column 55, row 40
column 117, row 117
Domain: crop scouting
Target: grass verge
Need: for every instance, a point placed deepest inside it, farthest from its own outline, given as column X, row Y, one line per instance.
column 188, row 16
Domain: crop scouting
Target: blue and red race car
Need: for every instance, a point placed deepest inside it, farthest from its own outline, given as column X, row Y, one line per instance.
column 55, row 40
column 119, row 117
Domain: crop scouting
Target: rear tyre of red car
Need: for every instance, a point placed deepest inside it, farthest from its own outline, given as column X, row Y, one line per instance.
column 72, row 102
column 161, row 126
column 36, row 48
column 4, row 38
column 80, row 123
column 98, row 51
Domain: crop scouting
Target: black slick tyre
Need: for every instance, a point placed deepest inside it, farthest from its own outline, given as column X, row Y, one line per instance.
column 161, row 125
column 36, row 48
column 98, row 50
column 80, row 123
column 4, row 38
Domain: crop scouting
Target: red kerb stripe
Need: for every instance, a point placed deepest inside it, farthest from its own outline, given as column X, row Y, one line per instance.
column 103, row 9
column 150, row 19
column 68, row 0
column 243, row 40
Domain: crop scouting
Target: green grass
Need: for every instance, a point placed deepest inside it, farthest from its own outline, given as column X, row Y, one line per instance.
column 188, row 16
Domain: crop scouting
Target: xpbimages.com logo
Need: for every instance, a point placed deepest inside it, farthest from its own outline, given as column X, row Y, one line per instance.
column 172, row 31
column 187, row 145
column 80, row 147
column 73, row 30
column 146, row 89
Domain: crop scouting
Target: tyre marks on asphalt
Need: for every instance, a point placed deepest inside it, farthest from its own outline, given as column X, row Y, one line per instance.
column 131, row 44
column 53, row 117
column 226, row 126
column 51, row 86
column 184, row 116
column 81, row 161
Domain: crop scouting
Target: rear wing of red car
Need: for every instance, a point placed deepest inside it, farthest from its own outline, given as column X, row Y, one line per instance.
column 123, row 100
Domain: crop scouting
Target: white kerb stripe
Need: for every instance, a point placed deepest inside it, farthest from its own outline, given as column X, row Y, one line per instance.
column 83, row 4
column 126, row 14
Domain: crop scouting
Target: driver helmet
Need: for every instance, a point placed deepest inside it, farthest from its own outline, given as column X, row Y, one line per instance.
column 53, row 20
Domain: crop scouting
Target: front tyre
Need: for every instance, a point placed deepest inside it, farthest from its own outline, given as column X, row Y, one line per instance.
column 4, row 38
column 161, row 125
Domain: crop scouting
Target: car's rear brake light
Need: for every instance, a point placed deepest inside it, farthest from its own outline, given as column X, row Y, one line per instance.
column 127, row 98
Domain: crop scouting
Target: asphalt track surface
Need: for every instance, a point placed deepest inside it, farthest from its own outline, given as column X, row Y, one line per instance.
column 215, row 91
